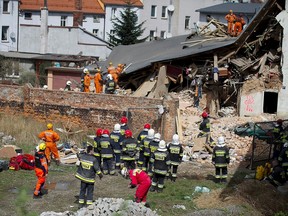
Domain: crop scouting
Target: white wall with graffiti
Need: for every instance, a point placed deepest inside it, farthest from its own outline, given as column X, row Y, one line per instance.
column 252, row 104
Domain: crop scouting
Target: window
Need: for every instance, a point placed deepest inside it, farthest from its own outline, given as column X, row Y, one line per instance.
column 152, row 35
column 4, row 36
column 153, row 11
column 5, row 6
column 163, row 34
column 95, row 31
column 96, row 19
column 187, row 22
column 63, row 20
column 164, row 12
column 27, row 15
column 113, row 13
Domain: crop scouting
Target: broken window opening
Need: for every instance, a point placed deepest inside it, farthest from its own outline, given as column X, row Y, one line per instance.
column 270, row 102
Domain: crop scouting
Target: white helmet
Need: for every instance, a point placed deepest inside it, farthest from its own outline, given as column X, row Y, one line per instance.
column 117, row 127
column 175, row 139
column 124, row 171
column 150, row 134
column 157, row 136
column 221, row 141
column 45, row 87
column 285, row 144
column 68, row 82
column 85, row 70
column 109, row 76
column 162, row 145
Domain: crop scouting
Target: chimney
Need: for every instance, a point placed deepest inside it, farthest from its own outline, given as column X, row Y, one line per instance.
column 44, row 29
column 78, row 15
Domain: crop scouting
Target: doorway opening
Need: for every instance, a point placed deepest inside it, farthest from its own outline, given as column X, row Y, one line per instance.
column 270, row 102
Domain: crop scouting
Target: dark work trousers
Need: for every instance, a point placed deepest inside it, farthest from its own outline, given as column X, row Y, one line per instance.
column 108, row 166
column 117, row 160
column 158, row 181
column 98, row 160
column 221, row 172
column 141, row 159
column 174, row 169
column 89, row 187
column 145, row 163
column 129, row 164
column 150, row 172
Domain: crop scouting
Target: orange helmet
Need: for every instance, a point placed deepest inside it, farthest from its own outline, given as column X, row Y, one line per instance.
column 124, row 120
column 147, row 126
column 204, row 114
column 99, row 132
column 105, row 131
column 128, row 133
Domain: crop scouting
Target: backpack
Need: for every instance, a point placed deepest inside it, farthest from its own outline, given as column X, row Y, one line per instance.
column 24, row 161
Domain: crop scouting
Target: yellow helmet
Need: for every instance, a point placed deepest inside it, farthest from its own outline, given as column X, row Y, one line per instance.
column 42, row 146
column 110, row 63
column 49, row 126
column 231, row 11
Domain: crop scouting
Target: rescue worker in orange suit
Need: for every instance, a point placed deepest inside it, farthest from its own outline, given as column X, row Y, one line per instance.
column 87, row 80
column 88, row 167
column 96, row 145
column 140, row 137
column 50, row 137
column 129, row 150
column 123, row 125
column 111, row 69
column 98, row 82
column 238, row 26
column 140, row 178
column 117, row 73
column 41, row 170
column 230, row 17
column 221, row 159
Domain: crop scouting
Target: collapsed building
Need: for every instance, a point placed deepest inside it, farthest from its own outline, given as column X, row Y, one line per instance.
column 244, row 72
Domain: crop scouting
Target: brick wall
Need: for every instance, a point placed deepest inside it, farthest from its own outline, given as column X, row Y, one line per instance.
column 91, row 110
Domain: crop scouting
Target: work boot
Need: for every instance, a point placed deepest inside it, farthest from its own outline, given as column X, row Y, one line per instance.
column 58, row 162
column 147, row 205
column 37, row 196
column 152, row 189
column 81, row 205
column 44, row 191
column 160, row 190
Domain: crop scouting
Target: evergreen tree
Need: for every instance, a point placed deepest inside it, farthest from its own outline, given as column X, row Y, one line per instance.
column 126, row 28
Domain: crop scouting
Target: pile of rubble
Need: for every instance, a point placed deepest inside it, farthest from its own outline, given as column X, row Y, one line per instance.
column 107, row 207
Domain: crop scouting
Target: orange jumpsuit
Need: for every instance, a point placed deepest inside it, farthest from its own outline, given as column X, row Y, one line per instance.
column 111, row 69
column 50, row 137
column 87, row 80
column 98, row 83
column 230, row 19
column 238, row 27
column 41, row 170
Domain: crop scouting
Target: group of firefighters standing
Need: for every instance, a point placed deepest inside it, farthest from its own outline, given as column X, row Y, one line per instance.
column 234, row 23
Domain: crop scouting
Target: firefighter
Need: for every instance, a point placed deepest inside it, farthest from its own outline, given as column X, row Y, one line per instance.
column 41, row 170
column 119, row 70
column 129, row 150
column 116, row 141
column 96, row 145
column 87, row 80
column 123, row 125
column 145, row 146
column 277, row 176
column 230, row 17
column 140, row 137
column 283, row 158
column 238, row 26
column 107, row 153
column 280, row 137
column 88, row 167
column 82, row 79
column 138, row 178
column 221, row 159
column 154, row 145
column 176, row 153
column 50, row 137
column 110, row 85
column 68, row 86
column 98, row 82
column 161, row 162
column 110, row 68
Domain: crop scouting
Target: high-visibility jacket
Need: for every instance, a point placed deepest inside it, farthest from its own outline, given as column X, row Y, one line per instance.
column 88, row 168
column 116, row 141
column 145, row 146
column 230, row 18
column 160, row 162
column 154, row 145
column 142, row 135
column 41, row 162
column 106, row 147
column 87, row 81
column 129, row 149
column 49, row 136
column 283, row 157
column 205, row 125
column 220, row 156
column 110, row 87
column 96, row 145
column 176, row 153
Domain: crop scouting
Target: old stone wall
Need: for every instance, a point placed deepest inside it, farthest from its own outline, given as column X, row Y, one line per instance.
column 90, row 110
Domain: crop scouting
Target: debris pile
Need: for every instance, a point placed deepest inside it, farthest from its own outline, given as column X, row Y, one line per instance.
column 109, row 206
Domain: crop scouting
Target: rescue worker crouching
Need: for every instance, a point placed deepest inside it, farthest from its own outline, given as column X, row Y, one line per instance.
column 41, row 170
column 221, row 159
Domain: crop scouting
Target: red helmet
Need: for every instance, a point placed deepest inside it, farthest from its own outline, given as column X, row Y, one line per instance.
column 147, row 126
column 105, row 131
column 124, row 120
column 204, row 114
column 99, row 132
column 128, row 133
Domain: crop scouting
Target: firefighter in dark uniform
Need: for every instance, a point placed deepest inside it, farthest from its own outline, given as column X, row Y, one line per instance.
column 279, row 138
column 161, row 163
column 140, row 137
column 221, row 159
column 205, row 127
column 123, row 125
column 110, row 85
column 88, row 167
column 277, row 176
column 107, row 153
column 154, row 145
column 145, row 146
column 116, row 141
column 129, row 150
column 283, row 159
column 176, row 153
column 96, row 145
